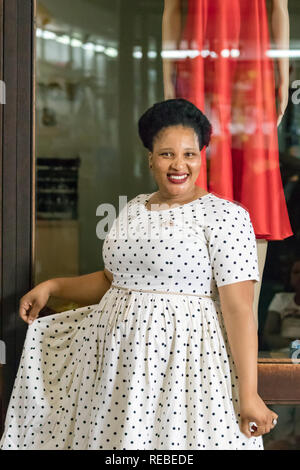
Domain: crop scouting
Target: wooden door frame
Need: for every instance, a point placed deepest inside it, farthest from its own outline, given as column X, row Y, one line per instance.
column 17, row 178
column 278, row 379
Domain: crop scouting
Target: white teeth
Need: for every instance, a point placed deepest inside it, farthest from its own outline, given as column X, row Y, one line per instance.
column 178, row 177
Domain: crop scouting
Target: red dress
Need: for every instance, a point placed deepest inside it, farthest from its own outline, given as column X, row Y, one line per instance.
column 237, row 94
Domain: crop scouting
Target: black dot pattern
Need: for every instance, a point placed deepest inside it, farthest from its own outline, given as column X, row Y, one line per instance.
column 142, row 370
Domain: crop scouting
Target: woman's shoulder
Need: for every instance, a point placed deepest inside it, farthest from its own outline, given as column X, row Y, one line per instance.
column 138, row 198
column 224, row 210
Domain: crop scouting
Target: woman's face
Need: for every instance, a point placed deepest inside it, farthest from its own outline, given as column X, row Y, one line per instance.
column 175, row 152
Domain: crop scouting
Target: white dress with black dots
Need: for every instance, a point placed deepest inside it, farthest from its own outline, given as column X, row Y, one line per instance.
column 150, row 366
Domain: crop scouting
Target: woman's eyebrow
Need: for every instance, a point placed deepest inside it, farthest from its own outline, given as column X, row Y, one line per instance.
column 170, row 148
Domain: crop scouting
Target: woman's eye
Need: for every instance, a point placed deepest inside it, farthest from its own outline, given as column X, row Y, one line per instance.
column 188, row 154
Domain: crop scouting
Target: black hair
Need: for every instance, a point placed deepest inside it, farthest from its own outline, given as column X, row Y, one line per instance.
column 173, row 112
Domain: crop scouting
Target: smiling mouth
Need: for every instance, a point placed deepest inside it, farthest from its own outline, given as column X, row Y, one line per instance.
column 173, row 178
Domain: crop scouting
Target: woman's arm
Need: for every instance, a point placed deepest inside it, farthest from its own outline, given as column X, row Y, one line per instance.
column 236, row 306
column 171, row 34
column 281, row 34
column 86, row 290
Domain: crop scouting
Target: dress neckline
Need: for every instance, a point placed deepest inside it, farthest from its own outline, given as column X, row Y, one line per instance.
column 148, row 197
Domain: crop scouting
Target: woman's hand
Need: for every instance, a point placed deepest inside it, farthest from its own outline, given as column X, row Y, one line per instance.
column 254, row 409
column 33, row 302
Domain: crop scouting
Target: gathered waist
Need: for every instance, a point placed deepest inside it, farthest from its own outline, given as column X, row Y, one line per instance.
column 129, row 290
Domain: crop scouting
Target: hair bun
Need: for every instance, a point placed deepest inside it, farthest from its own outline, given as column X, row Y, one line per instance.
column 173, row 112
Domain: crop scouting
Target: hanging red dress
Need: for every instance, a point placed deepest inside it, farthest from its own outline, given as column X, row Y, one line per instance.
column 232, row 81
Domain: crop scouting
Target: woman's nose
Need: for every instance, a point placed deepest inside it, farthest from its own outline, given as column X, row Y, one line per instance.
column 179, row 162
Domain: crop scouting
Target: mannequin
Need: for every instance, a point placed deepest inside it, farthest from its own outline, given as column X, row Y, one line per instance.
column 237, row 93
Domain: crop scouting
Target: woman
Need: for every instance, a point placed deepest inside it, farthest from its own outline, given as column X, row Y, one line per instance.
column 150, row 366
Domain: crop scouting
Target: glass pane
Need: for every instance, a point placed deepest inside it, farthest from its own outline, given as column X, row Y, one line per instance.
column 98, row 67
column 233, row 60
column 97, row 71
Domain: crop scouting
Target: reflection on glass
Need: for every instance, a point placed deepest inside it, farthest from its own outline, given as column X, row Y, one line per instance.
column 226, row 71
column 286, row 434
column 282, row 327
column 232, row 60
column 98, row 66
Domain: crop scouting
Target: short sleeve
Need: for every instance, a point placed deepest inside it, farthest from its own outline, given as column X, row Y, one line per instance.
column 232, row 246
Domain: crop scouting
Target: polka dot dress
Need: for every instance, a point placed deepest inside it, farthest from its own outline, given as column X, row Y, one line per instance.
column 150, row 366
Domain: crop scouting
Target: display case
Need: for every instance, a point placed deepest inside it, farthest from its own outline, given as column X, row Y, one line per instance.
column 57, row 188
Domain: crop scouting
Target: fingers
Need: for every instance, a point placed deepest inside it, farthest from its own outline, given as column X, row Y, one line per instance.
column 273, row 416
column 259, row 429
column 27, row 312
column 245, row 428
column 33, row 315
column 24, row 309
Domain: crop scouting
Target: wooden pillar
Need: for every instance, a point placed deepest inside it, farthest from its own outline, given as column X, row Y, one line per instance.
column 16, row 154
